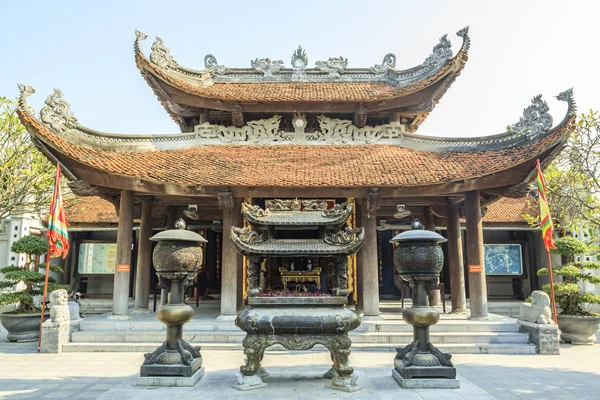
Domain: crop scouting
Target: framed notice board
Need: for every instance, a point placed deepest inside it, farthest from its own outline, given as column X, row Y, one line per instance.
column 97, row 258
column 503, row 259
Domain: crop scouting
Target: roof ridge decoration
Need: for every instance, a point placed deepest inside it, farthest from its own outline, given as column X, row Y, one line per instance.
column 210, row 62
column 340, row 237
column 333, row 66
column 57, row 113
column 248, row 236
column 333, row 131
column 266, row 66
column 161, row 55
column 337, row 210
column 335, row 69
column 255, row 211
column 534, row 125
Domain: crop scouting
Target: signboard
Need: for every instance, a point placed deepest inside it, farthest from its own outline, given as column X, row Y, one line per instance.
column 97, row 258
column 475, row 268
column 122, row 267
column 503, row 259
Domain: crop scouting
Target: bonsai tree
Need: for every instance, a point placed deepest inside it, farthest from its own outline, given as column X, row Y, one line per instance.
column 569, row 295
column 27, row 281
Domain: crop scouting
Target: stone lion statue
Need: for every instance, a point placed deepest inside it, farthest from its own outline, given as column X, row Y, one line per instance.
column 59, row 307
column 539, row 309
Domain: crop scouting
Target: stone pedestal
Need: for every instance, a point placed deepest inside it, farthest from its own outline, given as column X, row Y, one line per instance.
column 546, row 337
column 171, row 381
column 54, row 335
column 425, row 383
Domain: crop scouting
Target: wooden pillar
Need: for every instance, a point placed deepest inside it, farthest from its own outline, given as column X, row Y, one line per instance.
column 124, row 241
column 369, row 276
column 435, row 298
column 359, row 308
column 169, row 224
column 477, row 284
column 230, row 282
column 455, row 260
column 144, row 259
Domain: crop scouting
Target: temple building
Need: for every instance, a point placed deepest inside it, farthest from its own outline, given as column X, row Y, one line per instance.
column 343, row 138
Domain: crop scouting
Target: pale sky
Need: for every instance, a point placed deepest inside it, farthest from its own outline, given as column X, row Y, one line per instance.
column 519, row 49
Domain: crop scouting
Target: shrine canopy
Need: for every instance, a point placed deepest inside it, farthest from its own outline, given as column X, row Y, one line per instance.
column 273, row 131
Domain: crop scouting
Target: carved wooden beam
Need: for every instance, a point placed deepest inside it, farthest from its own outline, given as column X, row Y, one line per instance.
column 514, row 191
column 226, row 201
column 237, row 115
column 360, row 116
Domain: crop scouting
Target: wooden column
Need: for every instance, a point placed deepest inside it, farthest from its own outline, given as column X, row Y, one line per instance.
column 144, row 259
column 123, row 267
column 359, row 308
column 477, row 284
column 435, row 298
column 455, row 260
column 369, row 276
column 230, row 282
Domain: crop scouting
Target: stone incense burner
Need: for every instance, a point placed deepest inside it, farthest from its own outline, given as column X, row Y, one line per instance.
column 177, row 259
column 419, row 259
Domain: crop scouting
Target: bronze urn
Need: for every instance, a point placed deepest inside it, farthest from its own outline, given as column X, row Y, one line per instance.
column 177, row 259
column 419, row 259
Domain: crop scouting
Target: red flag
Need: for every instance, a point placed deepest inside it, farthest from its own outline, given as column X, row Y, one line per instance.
column 545, row 218
column 58, row 236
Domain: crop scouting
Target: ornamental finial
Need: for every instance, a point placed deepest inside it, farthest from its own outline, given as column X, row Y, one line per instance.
column 180, row 224
column 24, row 92
column 416, row 224
column 567, row 96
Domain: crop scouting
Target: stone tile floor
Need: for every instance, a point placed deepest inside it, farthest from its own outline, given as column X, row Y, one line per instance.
column 25, row 374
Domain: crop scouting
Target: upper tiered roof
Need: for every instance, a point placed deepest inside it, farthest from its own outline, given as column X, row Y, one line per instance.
column 268, row 85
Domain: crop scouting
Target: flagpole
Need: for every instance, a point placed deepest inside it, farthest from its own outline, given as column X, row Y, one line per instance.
column 44, row 297
column 48, row 256
column 552, row 300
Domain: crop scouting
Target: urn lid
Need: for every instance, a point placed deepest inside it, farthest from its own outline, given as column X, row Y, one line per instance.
column 418, row 234
column 178, row 234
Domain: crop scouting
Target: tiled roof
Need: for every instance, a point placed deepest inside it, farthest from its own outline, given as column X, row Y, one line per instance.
column 295, row 165
column 90, row 210
column 96, row 210
column 510, row 210
column 297, row 91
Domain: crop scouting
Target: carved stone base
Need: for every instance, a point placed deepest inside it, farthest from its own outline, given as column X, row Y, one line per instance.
column 337, row 344
column 419, row 372
column 426, row 383
column 171, row 381
column 183, row 361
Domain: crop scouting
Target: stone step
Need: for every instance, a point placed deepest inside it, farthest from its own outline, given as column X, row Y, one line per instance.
column 466, row 348
column 438, row 338
column 395, row 338
column 105, row 325
column 509, row 325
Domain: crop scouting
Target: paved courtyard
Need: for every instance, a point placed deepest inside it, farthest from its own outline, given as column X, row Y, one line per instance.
column 25, row 374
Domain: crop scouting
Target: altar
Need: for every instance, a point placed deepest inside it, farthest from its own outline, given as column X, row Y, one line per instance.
column 313, row 276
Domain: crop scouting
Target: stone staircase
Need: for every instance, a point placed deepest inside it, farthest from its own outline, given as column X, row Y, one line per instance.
column 455, row 334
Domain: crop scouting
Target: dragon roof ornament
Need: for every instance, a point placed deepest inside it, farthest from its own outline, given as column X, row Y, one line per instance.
column 335, row 69
column 333, row 66
column 57, row 113
column 161, row 55
column 266, row 66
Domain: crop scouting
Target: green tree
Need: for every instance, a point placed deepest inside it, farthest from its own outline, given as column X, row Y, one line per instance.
column 573, row 180
column 26, row 176
column 25, row 282
column 569, row 295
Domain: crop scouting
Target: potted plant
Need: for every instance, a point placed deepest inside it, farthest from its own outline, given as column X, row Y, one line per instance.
column 576, row 323
column 19, row 287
